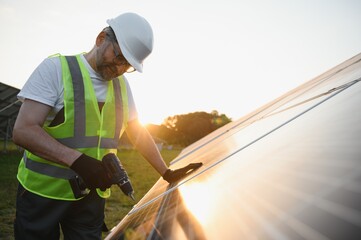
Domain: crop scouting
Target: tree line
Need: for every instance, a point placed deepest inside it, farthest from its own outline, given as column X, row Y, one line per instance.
column 185, row 129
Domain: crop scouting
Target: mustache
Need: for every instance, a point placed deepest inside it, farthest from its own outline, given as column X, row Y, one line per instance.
column 110, row 66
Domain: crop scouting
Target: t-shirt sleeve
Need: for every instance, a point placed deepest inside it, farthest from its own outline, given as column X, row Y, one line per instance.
column 44, row 84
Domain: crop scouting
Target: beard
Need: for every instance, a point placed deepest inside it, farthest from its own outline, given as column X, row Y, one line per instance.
column 107, row 71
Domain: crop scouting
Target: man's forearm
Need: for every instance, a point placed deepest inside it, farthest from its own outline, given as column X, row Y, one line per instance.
column 144, row 143
column 29, row 134
column 41, row 144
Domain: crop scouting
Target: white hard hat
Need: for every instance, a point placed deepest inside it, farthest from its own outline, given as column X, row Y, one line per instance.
column 135, row 37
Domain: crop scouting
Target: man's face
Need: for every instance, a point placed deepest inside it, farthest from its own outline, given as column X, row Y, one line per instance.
column 109, row 61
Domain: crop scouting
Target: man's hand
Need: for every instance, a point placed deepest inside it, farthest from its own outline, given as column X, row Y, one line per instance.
column 172, row 176
column 92, row 172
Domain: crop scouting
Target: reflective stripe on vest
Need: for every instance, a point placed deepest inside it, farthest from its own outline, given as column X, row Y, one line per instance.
column 49, row 170
column 79, row 140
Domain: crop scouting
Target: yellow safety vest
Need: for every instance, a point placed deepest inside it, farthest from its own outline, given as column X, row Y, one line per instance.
column 85, row 128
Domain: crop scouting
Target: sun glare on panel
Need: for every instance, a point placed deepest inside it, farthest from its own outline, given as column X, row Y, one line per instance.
column 193, row 197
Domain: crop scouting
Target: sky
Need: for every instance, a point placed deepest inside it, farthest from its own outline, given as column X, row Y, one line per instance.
column 231, row 56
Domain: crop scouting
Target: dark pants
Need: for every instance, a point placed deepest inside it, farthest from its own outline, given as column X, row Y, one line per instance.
column 39, row 218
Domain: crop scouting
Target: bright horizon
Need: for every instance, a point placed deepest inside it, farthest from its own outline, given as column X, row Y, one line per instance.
column 231, row 56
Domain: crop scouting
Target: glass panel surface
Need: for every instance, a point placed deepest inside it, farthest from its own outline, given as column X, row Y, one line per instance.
column 295, row 174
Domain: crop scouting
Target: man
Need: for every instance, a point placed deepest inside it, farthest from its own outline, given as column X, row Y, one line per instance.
column 74, row 110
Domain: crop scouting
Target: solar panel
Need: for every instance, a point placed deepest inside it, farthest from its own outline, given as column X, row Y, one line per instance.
column 289, row 170
column 9, row 108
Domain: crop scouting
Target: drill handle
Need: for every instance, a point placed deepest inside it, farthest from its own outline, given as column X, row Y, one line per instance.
column 114, row 169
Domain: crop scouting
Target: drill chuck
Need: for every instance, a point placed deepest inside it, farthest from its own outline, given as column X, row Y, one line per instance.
column 117, row 174
column 127, row 189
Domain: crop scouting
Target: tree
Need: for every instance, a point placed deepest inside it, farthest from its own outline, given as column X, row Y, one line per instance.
column 186, row 129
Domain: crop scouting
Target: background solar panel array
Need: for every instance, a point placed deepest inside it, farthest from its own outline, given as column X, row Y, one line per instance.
column 9, row 108
column 289, row 170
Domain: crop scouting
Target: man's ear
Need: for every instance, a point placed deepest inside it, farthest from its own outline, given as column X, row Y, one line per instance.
column 100, row 38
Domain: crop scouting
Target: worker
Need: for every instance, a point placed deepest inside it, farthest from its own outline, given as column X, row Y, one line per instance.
column 74, row 110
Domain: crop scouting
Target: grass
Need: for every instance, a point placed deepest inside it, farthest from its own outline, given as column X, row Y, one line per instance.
column 8, row 186
column 142, row 176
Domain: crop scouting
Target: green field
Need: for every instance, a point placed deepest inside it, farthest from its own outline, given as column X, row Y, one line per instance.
column 142, row 175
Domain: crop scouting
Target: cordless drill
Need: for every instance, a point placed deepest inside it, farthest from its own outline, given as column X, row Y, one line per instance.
column 117, row 174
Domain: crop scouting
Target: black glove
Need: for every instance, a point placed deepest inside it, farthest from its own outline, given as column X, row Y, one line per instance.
column 92, row 172
column 172, row 176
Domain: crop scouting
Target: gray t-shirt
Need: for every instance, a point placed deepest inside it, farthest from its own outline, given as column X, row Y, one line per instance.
column 45, row 85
